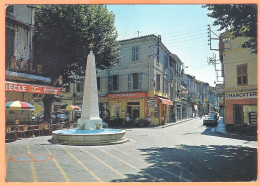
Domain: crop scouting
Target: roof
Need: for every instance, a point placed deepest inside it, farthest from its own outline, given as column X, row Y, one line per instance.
column 136, row 38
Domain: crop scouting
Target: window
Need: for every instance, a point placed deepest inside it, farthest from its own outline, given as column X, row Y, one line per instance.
column 67, row 88
column 78, row 87
column 158, row 81
column 242, row 74
column 165, row 61
column 165, row 85
column 135, row 53
column 9, row 44
column 135, row 81
column 158, row 56
column 98, row 83
column 113, row 82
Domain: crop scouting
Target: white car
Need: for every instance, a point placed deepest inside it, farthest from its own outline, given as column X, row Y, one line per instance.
column 211, row 118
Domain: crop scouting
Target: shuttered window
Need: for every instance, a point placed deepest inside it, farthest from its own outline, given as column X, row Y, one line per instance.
column 135, row 53
column 129, row 81
column 158, row 82
column 113, row 82
column 135, row 81
column 242, row 74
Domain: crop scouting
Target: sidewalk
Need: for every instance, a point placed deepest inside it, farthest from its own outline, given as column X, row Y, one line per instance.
column 222, row 129
column 177, row 122
column 221, row 126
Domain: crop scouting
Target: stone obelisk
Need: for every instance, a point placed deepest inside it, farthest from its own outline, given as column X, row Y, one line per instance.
column 90, row 110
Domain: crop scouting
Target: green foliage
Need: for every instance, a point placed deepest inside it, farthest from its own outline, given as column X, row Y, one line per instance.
column 238, row 19
column 63, row 34
column 98, row 125
column 104, row 125
column 82, row 127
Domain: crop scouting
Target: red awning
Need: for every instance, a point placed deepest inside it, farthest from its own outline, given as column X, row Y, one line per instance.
column 166, row 101
column 38, row 89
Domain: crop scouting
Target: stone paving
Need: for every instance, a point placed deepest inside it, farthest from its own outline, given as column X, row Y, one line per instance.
column 183, row 152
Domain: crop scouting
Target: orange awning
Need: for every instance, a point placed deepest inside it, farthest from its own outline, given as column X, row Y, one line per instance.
column 166, row 101
column 31, row 88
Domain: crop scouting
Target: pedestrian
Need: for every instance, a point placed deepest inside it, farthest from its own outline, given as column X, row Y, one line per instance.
column 164, row 117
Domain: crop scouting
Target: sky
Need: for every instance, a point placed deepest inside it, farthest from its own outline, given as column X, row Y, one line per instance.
column 183, row 29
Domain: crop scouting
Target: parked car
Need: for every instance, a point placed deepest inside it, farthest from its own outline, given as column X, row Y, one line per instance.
column 60, row 117
column 211, row 118
column 55, row 117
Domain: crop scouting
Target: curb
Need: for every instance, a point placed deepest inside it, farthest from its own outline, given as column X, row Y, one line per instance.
column 178, row 122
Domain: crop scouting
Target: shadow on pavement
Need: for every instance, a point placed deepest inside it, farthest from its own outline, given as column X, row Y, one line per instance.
column 185, row 163
column 229, row 135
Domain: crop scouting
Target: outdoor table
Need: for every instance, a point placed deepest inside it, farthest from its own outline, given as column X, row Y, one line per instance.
column 54, row 126
column 32, row 127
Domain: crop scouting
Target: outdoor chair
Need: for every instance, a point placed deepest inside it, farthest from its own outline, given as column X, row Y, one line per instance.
column 47, row 128
column 28, row 132
column 10, row 133
column 21, row 129
column 39, row 129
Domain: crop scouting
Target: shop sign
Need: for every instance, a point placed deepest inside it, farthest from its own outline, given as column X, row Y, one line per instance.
column 16, row 87
column 253, row 118
column 22, row 66
column 152, row 105
column 241, row 95
column 151, row 100
column 127, row 95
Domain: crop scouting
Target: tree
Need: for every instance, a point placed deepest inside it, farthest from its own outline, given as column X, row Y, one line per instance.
column 238, row 19
column 62, row 37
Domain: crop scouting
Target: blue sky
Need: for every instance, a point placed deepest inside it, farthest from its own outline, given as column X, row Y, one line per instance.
column 183, row 29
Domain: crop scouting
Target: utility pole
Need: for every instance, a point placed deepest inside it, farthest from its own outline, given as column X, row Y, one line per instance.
column 138, row 32
column 213, row 60
column 211, row 38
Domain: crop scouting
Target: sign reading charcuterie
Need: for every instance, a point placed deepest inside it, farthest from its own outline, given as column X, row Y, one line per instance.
column 19, row 87
column 241, row 95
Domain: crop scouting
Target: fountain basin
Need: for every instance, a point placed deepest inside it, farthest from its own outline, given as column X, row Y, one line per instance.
column 88, row 137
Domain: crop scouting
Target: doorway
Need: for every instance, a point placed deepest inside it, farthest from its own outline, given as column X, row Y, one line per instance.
column 238, row 114
column 133, row 110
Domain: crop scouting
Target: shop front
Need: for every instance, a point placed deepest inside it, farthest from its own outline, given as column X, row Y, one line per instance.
column 241, row 109
column 164, row 109
column 103, row 107
column 29, row 93
column 130, row 106
column 178, row 108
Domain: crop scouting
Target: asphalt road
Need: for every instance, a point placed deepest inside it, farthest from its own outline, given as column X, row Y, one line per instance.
column 185, row 152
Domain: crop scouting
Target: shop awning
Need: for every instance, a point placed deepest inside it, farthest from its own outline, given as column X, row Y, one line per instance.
column 31, row 88
column 166, row 101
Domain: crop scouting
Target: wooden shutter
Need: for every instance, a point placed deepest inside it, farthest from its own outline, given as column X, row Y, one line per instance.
column 140, row 81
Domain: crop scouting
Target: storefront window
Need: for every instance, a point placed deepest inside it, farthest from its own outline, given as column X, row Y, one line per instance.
column 249, row 114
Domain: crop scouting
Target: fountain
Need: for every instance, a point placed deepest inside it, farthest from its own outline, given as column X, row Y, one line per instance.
column 90, row 130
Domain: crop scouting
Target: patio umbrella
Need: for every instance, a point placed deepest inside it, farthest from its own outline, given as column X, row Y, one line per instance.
column 72, row 107
column 19, row 105
column 37, row 109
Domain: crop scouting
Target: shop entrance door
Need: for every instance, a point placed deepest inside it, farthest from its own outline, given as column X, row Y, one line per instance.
column 238, row 114
column 133, row 110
